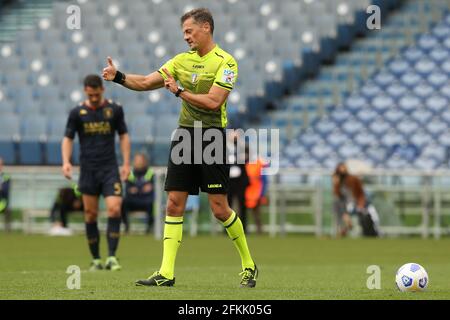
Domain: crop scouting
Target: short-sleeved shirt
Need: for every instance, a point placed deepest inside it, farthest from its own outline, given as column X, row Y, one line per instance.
column 197, row 75
column 96, row 130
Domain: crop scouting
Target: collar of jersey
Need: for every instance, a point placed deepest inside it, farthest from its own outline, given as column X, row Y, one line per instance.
column 93, row 108
column 208, row 54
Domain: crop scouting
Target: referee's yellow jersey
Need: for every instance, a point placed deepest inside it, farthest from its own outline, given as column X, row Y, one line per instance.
column 197, row 75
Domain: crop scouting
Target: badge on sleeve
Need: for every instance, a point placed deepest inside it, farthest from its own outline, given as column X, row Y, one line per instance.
column 228, row 76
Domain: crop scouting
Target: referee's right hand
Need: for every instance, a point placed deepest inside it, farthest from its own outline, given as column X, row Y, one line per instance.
column 110, row 71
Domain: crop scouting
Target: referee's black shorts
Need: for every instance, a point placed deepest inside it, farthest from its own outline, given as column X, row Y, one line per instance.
column 190, row 176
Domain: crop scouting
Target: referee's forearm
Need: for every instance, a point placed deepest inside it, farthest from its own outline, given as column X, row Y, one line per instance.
column 139, row 82
column 135, row 82
column 204, row 101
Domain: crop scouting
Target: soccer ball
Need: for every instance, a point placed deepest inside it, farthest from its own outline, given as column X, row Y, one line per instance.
column 411, row 277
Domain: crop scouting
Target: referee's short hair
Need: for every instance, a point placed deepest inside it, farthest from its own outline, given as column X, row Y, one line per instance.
column 201, row 15
column 93, row 81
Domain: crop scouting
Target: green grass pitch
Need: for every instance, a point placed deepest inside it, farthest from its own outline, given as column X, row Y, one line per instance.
column 293, row 267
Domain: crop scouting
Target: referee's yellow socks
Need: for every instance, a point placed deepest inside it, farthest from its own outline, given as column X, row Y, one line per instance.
column 236, row 233
column 173, row 232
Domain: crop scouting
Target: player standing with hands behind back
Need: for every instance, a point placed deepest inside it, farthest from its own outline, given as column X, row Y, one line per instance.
column 206, row 75
column 96, row 121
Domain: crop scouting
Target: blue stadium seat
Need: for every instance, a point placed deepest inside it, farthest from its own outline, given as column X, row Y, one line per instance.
column 410, row 79
column 435, row 151
column 424, row 67
column 440, row 55
column 379, row 127
column 324, row 127
column 382, row 103
column 355, row 103
column 438, row 79
column 9, row 126
column 309, row 139
column 427, row 43
column 164, row 127
column 413, row 54
column 425, row 164
column 396, row 90
column 367, row 115
column 392, row 138
column 394, row 115
column 340, row 116
column 441, row 32
column 349, row 150
column 422, row 115
column 365, row 139
column 421, row 138
column 437, row 104
column 370, row 90
column 7, row 106
column 142, row 127
column 396, row 162
column 407, row 127
column 160, row 152
column 34, row 127
column 423, row 90
column 409, row 103
column 30, row 152
column 384, row 79
column 436, row 127
column 7, row 151
column 53, row 151
column 399, row 67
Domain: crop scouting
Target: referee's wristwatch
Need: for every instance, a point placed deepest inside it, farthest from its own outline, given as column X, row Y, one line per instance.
column 179, row 91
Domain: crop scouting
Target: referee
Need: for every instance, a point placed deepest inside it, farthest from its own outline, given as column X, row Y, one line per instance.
column 202, row 79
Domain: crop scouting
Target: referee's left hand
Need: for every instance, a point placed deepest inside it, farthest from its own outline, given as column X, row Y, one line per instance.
column 170, row 82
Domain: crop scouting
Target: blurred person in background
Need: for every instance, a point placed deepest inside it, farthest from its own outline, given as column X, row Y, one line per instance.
column 67, row 200
column 254, row 194
column 5, row 184
column 350, row 198
column 238, row 176
column 139, row 192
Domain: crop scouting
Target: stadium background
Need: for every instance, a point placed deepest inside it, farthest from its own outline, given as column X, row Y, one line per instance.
column 335, row 89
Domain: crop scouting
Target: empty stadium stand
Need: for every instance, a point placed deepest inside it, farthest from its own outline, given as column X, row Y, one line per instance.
column 43, row 67
column 395, row 118
column 281, row 47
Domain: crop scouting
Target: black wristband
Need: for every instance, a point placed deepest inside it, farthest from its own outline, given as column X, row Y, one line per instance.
column 119, row 78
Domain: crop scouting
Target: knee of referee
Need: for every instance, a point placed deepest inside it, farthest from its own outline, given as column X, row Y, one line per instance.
column 175, row 207
column 220, row 209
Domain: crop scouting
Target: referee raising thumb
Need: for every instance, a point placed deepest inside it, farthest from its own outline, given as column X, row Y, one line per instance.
column 110, row 71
